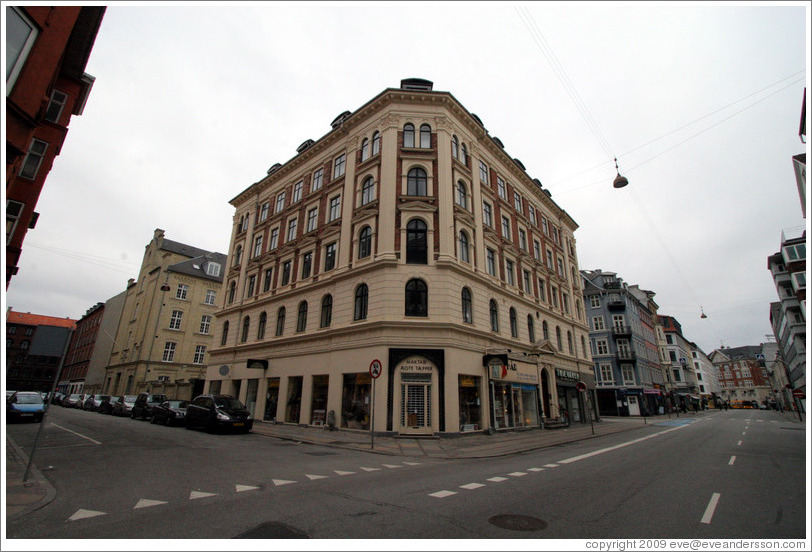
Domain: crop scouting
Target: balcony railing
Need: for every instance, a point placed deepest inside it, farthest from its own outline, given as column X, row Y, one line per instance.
column 626, row 356
column 621, row 331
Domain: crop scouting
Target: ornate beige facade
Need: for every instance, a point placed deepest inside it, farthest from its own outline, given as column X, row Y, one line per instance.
column 167, row 322
column 406, row 235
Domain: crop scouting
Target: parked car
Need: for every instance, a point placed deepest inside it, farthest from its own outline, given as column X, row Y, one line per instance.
column 80, row 403
column 9, row 393
column 215, row 412
column 71, row 400
column 25, row 405
column 87, row 403
column 144, row 403
column 106, row 405
column 172, row 412
column 123, row 405
column 94, row 403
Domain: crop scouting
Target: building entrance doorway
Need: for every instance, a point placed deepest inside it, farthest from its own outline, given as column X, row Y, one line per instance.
column 415, row 403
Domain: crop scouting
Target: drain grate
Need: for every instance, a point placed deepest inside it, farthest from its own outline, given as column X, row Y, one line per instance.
column 513, row 522
column 273, row 530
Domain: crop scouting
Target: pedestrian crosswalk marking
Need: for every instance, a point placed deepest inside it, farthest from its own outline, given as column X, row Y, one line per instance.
column 497, row 479
column 241, row 488
column 146, row 503
column 370, row 469
column 280, row 482
column 517, row 474
column 198, row 494
column 312, row 477
column 442, row 494
column 412, row 463
column 535, row 469
column 392, row 466
column 82, row 514
column 550, row 465
column 471, row 486
column 339, row 472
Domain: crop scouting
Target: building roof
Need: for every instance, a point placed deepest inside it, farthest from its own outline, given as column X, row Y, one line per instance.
column 741, row 353
column 28, row 319
column 197, row 266
column 183, row 249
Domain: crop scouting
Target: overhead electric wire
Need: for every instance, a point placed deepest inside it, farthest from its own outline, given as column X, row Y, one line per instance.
column 96, row 260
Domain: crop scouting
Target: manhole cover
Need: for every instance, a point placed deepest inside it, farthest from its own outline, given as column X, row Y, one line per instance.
column 272, row 530
column 514, row 522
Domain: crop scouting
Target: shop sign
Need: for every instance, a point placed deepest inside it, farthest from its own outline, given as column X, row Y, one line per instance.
column 513, row 372
column 650, row 391
column 416, row 364
column 567, row 375
column 467, row 381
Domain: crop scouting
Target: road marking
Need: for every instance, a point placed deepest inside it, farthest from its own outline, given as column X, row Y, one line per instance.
column 194, row 495
column 391, row 466
column 82, row 514
column 497, row 479
column 370, row 469
column 412, row 463
column 517, row 474
column 312, row 477
column 79, row 434
column 280, row 482
column 732, row 459
column 471, row 486
column 614, row 447
column 442, row 494
column 739, row 444
column 147, row 503
column 535, row 469
column 706, row 518
column 241, row 488
column 552, row 465
column 339, row 472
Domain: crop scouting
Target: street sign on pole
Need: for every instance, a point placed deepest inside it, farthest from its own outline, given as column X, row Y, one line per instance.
column 375, row 369
column 799, row 394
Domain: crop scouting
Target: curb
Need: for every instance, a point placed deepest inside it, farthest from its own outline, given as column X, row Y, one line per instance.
column 13, row 483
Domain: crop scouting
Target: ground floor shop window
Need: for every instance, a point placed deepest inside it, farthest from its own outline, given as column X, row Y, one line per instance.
column 470, row 404
column 214, row 387
column 294, row 403
column 355, row 401
column 271, row 400
column 318, row 408
column 514, row 405
column 251, row 395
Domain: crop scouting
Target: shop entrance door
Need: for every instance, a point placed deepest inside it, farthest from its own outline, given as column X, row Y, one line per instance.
column 518, row 415
column 634, row 407
column 415, row 407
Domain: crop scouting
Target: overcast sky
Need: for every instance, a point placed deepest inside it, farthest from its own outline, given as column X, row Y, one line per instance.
column 700, row 103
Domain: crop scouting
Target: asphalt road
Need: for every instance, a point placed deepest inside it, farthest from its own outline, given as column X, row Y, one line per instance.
column 734, row 474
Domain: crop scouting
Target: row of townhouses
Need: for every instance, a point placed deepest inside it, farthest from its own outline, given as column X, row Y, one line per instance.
column 403, row 268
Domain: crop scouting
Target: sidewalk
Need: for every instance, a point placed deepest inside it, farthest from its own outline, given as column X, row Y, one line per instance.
column 22, row 498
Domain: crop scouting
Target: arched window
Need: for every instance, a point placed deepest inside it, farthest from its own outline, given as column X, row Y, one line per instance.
column 455, row 147
column 425, row 136
column 232, row 290
column 545, row 331
column 301, row 320
column 569, row 343
column 280, row 321
column 367, row 191
column 263, row 318
column 558, row 338
column 531, row 330
column 416, row 242
column 225, row 334
column 246, row 322
column 365, row 243
column 467, row 310
column 494, row 316
column 376, row 143
column 417, row 182
column 408, row 135
column 514, row 323
column 361, row 302
column 462, row 195
column 464, row 251
column 364, row 149
column 417, row 298
column 326, row 311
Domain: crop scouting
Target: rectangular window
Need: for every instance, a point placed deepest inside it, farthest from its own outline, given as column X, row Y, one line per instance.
column 597, row 323
column 297, row 191
column 606, row 374
column 505, row 227
column 257, row 246
column 490, row 261
column 500, row 184
column 286, row 273
column 565, row 302
column 205, row 324
column 330, row 257
column 264, row 210
column 312, row 219
column 554, row 294
column 483, row 172
column 526, row 281
column 266, row 284
column 307, row 264
column 55, row 106
column 213, row 269
column 542, row 289
column 560, row 264
column 628, row 374
column 200, row 354
column 36, row 153
column 487, row 214
column 544, row 226
column 794, row 253
column 799, row 280
column 274, row 239
column 210, row 297
column 537, row 250
column 20, row 37
column 318, row 176
column 280, row 202
column 517, row 202
column 601, row 347
column 174, row 321
column 249, row 288
column 169, row 351
column 13, row 211
column 183, row 291
column 522, row 240
column 335, row 208
column 509, row 272
column 339, row 166
column 292, row 229
column 532, row 214
column 549, row 259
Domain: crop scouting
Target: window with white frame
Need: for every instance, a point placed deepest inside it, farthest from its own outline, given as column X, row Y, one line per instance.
column 531, row 212
column 21, row 34
column 312, row 219
column 537, row 250
column 211, row 295
column 335, row 208
column 367, row 191
column 175, row 319
column 522, row 240
column 329, row 257
column 594, row 301
column 490, row 261
column 502, row 189
column 799, row 280
column 339, row 166
column 464, row 247
column 628, row 374
column 267, row 280
column 213, row 269
column 509, row 272
column 251, row 285
column 55, row 106
column 544, row 227
column 487, row 214
column 462, row 195
column 601, row 347
column 182, row 292
column 200, row 354
column 33, row 160
column 297, row 191
column 483, row 172
column 274, row 239
column 13, row 211
column 292, row 223
column 280, row 202
column 318, row 177
column 169, row 351
column 376, row 143
column 205, row 323
column 607, row 377
column 264, row 211
column 517, row 202
column 506, row 227
column 793, row 253
column 257, row 251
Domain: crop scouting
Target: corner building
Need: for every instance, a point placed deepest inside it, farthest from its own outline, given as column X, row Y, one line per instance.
column 406, row 235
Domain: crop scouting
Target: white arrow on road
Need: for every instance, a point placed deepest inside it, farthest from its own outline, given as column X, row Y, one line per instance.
column 146, row 503
column 82, row 514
